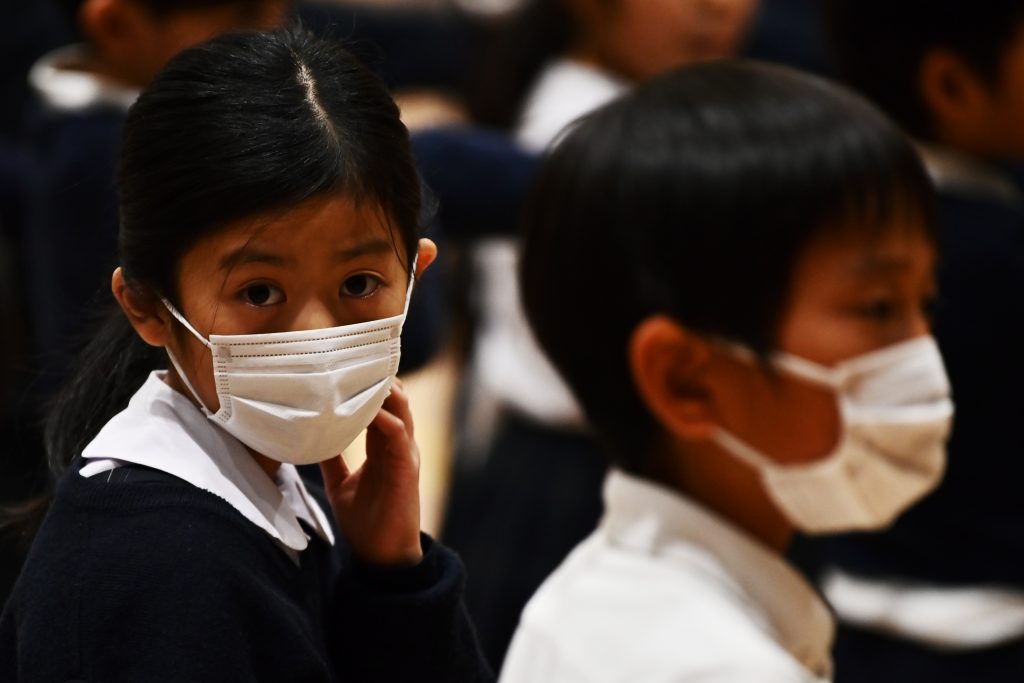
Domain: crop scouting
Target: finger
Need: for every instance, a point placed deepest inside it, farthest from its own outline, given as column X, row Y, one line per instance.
column 389, row 426
column 398, row 404
column 393, row 437
column 335, row 471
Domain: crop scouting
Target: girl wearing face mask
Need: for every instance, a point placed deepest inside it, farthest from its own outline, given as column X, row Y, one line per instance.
column 268, row 252
column 749, row 252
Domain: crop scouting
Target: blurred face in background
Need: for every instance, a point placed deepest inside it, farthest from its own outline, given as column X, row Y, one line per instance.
column 639, row 39
column 133, row 43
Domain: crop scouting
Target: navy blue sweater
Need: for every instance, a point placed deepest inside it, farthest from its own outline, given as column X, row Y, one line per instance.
column 152, row 579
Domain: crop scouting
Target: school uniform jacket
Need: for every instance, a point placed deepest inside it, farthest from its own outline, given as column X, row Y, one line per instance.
column 139, row 574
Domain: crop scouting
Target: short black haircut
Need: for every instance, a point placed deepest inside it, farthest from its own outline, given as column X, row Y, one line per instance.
column 693, row 197
column 878, row 46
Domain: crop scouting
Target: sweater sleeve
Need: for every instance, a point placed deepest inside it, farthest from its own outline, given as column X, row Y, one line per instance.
column 408, row 624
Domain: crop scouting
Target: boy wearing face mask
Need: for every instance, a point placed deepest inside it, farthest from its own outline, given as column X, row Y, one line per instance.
column 748, row 338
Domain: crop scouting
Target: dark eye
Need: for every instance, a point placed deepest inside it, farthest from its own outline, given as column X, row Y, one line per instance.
column 262, row 294
column 360, row 286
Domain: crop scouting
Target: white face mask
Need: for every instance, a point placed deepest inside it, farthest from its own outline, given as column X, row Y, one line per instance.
column 896, row 412
column 301, row 397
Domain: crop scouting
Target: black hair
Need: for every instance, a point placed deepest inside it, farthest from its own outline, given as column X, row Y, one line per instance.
column 514, row 53
column 878, row 46
column 246, row 123
column 693, row 197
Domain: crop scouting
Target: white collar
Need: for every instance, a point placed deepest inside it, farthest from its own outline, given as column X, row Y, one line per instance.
column 960, row 173
column 644, row 517
column 565, row 90
column 163, row 430
column 65, row 89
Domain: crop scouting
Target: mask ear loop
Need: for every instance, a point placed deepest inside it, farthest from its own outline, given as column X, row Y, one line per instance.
column 174, row 361
column 408, row 291
column 739, row 448
column 795, row 366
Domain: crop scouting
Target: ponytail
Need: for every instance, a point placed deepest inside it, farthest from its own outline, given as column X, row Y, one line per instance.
column 110, row 369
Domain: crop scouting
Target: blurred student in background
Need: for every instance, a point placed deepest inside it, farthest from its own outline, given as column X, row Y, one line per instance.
column 731, row 268
column 563, row 58
column 82, row 94
column 940, row 595
column 60, row 125
column 28, row 30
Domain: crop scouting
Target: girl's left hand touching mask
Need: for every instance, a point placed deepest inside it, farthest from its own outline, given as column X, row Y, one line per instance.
column 378, row 505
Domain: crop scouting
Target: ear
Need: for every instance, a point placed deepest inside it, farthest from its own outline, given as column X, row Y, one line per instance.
column 952, row 91
column 670, row 368
column 145, row 311
column 426, row 254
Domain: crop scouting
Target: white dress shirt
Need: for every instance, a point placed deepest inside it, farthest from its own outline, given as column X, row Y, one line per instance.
column 165, row 431
column 564, row 91
column 65, row 89
column 665, row 591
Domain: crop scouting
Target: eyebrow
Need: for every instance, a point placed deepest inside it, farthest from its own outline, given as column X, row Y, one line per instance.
column 882, row 264
column 376, row 246
column 246, row 254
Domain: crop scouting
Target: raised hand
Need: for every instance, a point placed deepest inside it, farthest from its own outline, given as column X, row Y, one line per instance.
column 378, row 505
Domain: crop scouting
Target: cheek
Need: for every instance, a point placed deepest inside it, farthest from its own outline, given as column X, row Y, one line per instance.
column 272, row 16
column 1010, row 140
column 809, row 427
column 789, row 420
column 826, row 336
column 737, row 26
column 189, row 31
column 1007, row 126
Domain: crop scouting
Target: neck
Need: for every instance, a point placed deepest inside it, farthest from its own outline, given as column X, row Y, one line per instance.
column 731, row 489
column 591, row 55
column 965, row 143
column 94, row 63
column 266, row 464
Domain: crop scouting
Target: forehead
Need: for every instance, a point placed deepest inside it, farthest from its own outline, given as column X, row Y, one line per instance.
column 903, row 246
column 318, row 228
column 330, row 218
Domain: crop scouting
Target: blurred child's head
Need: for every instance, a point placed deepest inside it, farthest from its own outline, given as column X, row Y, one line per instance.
column 950, row 71
column 631, row 39
column 726, row 202
column 639, row 39
column 135, row 38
